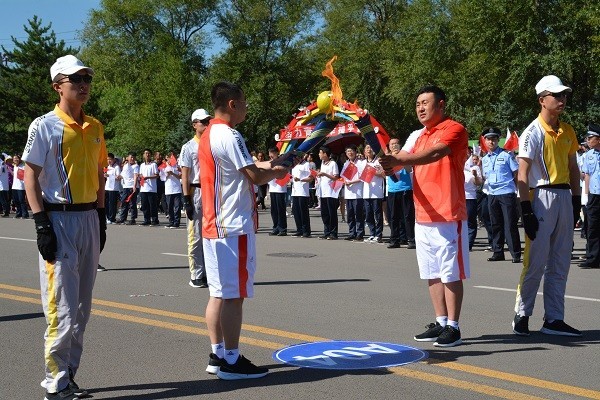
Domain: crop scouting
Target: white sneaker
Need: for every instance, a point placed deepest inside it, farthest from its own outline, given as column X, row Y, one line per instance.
column 369, row 239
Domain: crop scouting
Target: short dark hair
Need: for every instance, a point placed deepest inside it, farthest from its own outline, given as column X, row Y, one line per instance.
column 224, row 91
column 326, row 150
column 131, row 153
column 438, row 93
column 110, row 155
column 351, row 147
column 273, row 150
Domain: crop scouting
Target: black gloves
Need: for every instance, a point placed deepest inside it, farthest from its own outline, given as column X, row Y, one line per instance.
column 530, row 221
column 576, row 201
column 189, row 206
column 102, row 223
column 46, row 238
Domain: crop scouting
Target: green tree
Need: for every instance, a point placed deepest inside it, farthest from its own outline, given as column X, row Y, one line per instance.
column 149, row 60
column 25, row 85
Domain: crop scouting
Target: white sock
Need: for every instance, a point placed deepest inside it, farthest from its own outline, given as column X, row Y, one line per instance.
column 443, row 320
column 231, row 355
column 453, row 324
column 218, row 349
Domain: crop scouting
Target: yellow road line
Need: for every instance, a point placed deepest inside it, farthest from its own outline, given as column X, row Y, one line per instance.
column 455, row 383
column 490, row 373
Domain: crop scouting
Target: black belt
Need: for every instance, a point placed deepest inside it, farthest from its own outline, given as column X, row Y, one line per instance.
column 70, row 207
column 556, row 186
column 195, row 185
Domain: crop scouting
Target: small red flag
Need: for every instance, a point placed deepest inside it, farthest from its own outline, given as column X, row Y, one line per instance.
column 128, row 199
column 172, row 161
column 283, row 181
column 482, row 144
column 313, row 173
column 336, row 184
column 142, row 181
column 20, row 174
column 350, row 171
column 512, row 141
column 368, row 173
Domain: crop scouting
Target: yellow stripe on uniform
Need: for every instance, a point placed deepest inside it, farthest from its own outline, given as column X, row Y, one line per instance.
column 51, row 319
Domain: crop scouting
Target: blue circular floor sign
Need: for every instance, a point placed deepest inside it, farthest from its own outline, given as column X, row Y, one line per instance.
column 348, row 355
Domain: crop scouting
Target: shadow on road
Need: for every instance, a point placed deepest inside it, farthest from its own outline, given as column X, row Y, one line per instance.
column 20, row 317
column 310, row 282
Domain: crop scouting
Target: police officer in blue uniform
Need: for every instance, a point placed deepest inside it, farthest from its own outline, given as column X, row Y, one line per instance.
column 499, row 170
column 590, row 166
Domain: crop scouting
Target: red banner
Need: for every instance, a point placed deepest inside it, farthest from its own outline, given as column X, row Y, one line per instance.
column 302, row 132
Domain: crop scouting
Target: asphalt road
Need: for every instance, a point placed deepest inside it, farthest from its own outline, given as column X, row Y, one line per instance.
column 147, row 339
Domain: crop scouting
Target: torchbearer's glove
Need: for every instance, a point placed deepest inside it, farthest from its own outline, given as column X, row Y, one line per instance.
column 46, row 238
column 530, row 221
column 189, row 206
column 102, row 223
column 576, row 201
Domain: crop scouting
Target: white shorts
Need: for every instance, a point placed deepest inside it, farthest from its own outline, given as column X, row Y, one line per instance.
column 443, row 250
column 230, row 265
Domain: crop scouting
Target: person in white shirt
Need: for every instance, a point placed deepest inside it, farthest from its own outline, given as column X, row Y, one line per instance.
column 128, row 178
column 353, row 191
column 148, row 189
column 473, row 178
column 18, row 188
column 173, row 190
column 373, row 193
column 111, row 189
column 4, row 189
column 329, row 196
column 300, row 194
column 278, row 195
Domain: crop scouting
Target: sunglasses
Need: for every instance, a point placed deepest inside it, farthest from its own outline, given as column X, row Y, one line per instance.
column 203, row 121
column 557, row 95
column 76, row 78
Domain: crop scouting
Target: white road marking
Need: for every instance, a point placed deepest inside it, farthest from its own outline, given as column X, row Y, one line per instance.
column 539, row 293
column 11, row 238
column 175, row 254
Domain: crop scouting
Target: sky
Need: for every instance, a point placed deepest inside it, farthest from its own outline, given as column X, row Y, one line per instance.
column 67, row 18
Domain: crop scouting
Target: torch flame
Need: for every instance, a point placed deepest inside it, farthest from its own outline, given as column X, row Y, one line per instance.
column 336, row 91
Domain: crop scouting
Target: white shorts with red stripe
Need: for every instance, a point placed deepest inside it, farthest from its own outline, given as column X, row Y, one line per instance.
column 443, row 250
column 230, row 265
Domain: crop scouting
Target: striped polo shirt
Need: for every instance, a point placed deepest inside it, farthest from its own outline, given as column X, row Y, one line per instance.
column 70, row 156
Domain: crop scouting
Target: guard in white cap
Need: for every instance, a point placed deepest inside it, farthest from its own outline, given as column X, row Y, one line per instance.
column 192, row 199
column 65, row 189
column 548, row 183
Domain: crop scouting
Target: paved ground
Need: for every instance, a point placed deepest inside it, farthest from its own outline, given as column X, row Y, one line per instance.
column 147, row 338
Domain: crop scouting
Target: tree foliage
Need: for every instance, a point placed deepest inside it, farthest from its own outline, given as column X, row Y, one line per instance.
column 152, row 70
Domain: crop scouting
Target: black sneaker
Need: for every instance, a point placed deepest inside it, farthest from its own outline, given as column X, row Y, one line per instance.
column 520, row 325
column 100, row 268
column 323, row 237
column 74, row 387
column 198, row 283
column 449, row 337
column 214, row 363
column 242, row 369
column 131, row 222
column 431, row 334
column 350, row 238
column 411, row 246
column 558, row 327
column 65, row 394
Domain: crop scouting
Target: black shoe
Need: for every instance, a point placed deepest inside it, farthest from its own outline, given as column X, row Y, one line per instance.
column 403, row 243
column 155, row 223
column 297, row 234
column 74, row 387
column 431, row 334
column 350, row 238
column 307, row 235
column 558, row 327
column 411, row 246
column 323, row 237
column 393, row 246
column 214, row 363
column 198, row 283
column 242, row 369
column 273, row 233
column 65, row 394
column 496, row 257
column 516, row 260
column 449, row 337
column 145, row 223
column 521, row 325
column 132, row 222
column 332, row 238
column 586, row 265
column 100, row 268
column 359, row 239
column 282, row 233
